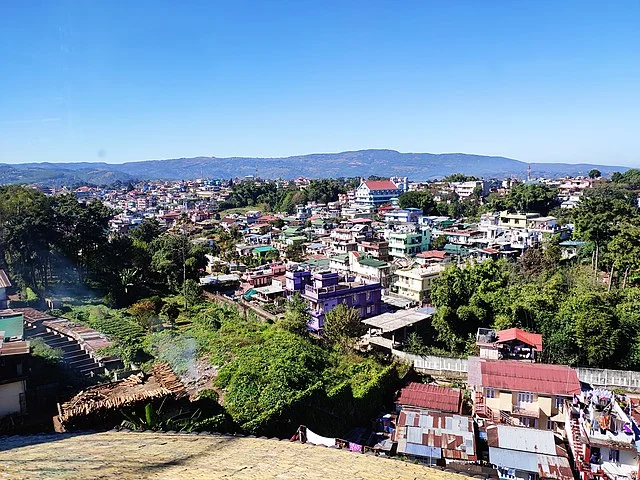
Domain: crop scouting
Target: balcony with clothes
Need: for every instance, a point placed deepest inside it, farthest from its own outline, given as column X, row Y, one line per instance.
column 608, row 435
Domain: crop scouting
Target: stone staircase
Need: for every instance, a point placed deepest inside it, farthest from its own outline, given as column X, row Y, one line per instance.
column 73, row 356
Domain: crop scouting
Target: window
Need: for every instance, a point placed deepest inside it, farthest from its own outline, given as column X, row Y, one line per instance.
column 550, row 424
column 355, row 297
column 368, row 296
column 489, row 393
column 614, row 455
column 525, row 397
column 529, row 422
column 560, row 404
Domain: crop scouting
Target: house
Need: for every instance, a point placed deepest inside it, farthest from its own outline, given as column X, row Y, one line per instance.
column 462, row 237
column 389, row 330
column 512, row 344
column 431, row 256
column 521, row 393
column 376, row 192
column 429, row 396
column 406, row 215
column 603, row 435
column 366, row 266
column 408, row 244
column 14, row 355
column 343, row 240
column 467, row 189
column 435, row 437
column 530, row 220
column 377, row 249
column 520, row 454
column 5, row 284
column 269, row 293
column 264, row 251
column 415, row 283
column 296, row 281
column 570, row 248
column 326, row 291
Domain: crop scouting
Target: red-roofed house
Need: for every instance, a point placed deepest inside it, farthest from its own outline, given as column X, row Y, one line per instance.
column 377, row 192
column 430, row 396
column 510, row 344
column 522, row 393
column 431, row 256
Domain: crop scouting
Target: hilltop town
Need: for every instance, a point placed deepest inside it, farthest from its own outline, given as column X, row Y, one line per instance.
column 477, row 325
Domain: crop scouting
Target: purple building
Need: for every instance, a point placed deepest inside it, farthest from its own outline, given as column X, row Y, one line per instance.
column 296, row 281
column 326, row 291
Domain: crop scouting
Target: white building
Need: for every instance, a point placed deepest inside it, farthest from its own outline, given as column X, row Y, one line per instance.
column 377, row 192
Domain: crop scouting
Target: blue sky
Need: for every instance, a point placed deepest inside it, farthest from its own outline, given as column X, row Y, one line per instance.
column 122, row 80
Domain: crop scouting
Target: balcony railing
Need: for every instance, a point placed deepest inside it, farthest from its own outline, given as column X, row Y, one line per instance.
column 525, row 411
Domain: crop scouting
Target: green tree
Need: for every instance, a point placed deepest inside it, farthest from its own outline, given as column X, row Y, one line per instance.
column 594, row 173
column 534, row 197
column 599, row 215
column 144, row 312
column 460, row 177
column 192, row 292
column 419, row 199
column 624, row 249
column 147, row 231
column 296, row 315
column 342, row 325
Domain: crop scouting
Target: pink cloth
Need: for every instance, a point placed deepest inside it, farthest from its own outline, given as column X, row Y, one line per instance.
column 354, row 447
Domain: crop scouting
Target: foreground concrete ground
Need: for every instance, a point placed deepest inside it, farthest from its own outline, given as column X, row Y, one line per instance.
column 126, row 455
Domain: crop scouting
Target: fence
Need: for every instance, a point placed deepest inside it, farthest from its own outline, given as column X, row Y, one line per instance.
column 431, row 363
column 626, row 380
column 610, row 378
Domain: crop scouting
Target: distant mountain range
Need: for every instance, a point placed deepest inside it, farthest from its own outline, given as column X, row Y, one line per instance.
column 361, row 163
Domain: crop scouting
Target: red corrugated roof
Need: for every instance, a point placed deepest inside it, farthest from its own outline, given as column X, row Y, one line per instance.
column 430, row 396
column 432, row 254
column 380, row 185
column 517, row 376
column 533, row 339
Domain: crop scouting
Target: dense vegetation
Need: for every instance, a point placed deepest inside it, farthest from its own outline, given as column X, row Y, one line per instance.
column 53, row 242
column 269, row 197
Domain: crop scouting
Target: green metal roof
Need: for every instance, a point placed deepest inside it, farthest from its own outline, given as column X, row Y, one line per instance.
column 298, row 238
column 12, row 325
column 453, row 248
column 249, row 293
column 264, row 249
column 372, row 262
column 324, row 262
column 342, row 257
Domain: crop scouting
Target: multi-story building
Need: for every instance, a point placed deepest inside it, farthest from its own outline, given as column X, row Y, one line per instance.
column 326, row 292
column 296, row 281
column 522, row 393
column 377, row 192
column 14, row 353
column 408, row 244
column 529, row 220
column 365, row 266
column 467, row 189
column 415, row 283
column 377, row 249
column 403, row 215
column 603, row 435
